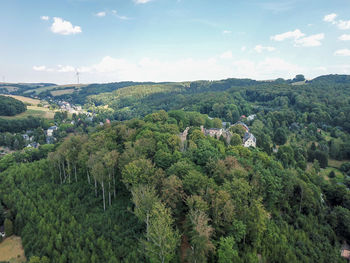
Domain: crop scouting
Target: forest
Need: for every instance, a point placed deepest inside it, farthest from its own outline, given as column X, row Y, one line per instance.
column 132, row 191
column 10, row 106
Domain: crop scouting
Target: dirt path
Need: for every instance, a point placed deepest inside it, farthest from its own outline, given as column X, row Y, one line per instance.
column 185, row 245
column 11, row 250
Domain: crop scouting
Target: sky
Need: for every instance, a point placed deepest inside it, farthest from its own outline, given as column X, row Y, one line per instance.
column 172, row 40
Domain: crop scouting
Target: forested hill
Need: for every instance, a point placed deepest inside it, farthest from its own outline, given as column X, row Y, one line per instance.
column 134, row 190
column 332, row 79
column 10, row 106
column 131, row 192
column 323, row 102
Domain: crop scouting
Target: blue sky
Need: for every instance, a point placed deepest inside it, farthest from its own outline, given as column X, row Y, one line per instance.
column 172, row 40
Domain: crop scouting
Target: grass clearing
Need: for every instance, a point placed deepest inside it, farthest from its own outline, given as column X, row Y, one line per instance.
column 33, row 111
column 339, row 177
column 24, row 99
column 41, row 89
column 299, row 83
column 62, row 92
column 11, row 250
column 58, row 87
column 336, row 163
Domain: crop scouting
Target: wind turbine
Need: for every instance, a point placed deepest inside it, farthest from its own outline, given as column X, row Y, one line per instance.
column 77, row 73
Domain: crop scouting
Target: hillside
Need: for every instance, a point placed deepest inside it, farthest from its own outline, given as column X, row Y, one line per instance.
column 109, row 192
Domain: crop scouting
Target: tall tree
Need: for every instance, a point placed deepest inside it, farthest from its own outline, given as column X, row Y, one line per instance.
column 162, row 239
column 200, row 236
column 110, row 160
column 144, row 197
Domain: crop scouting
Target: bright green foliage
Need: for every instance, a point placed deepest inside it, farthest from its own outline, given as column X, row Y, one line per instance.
column 162, row 240
column 236, row 139
column 227, row 252
column 144, row 198
column 35, row 259
column 140, row 172
column 238, row 129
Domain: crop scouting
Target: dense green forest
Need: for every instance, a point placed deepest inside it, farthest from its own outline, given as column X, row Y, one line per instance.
column 18, row 125
column 131, row 191
column 10, row 106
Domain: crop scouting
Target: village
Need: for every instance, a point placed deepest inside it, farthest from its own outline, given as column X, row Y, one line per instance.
column 30, row 137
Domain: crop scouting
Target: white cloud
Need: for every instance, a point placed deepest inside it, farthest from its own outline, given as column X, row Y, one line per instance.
column 45, row 18
column 244, row 48
column 344, row 37
column 288, row 35
column 299, row 38
column 330, row 18
column 226, row 55
column 59, row 68
column 43, row 69
column 310, row 41
column 101, row 14
column 64, row 27
column 142, row 1
column 115, row 13
column 226, row 32
column 65, row 68
column 342, row 52
column 260, row 48
column 39, row 68
column 343, row 25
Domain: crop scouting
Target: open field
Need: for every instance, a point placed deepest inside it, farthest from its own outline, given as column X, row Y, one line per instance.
column 5, row 150
column 299, row 83
column 33, row 111
column 336, row 163
column 24, row 99
column 11, row 250
column 42, row 89
column 61, row 92
column 339, row 177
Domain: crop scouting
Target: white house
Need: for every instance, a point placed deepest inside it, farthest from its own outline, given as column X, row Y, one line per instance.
column 249, row 140
column 51, row 130
column 251, row 117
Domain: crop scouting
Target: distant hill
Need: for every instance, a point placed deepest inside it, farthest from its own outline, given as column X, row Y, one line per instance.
column 339, row 79
column 21, row 88
column 82, row 93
